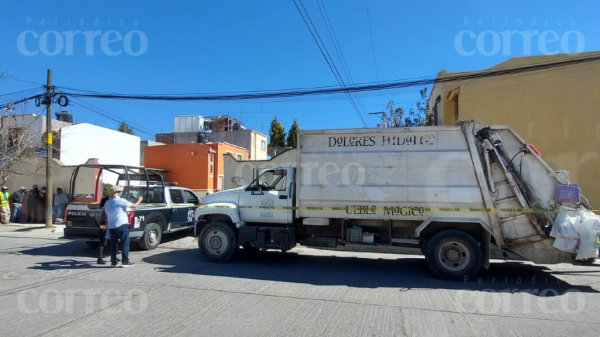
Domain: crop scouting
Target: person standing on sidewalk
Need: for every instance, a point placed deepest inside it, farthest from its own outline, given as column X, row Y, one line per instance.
column 32, row 202
column 118, row 225
column 18, row 198
column 4, row 206
column 42, row 199
column 60, row 202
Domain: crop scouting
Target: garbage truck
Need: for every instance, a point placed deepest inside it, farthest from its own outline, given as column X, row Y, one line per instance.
column 463, row 194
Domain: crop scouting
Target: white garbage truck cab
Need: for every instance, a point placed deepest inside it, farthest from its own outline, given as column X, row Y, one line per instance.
column 460, row 193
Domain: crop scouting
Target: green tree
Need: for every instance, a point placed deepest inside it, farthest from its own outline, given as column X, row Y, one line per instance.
column 276, row 134
column 125, row 128
column 292, row 137
column 106, row 189
column 420, row 115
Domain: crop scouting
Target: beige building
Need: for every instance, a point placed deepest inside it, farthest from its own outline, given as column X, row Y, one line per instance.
column 555, row 109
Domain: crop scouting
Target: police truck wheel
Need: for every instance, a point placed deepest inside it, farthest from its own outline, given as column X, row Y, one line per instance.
column 217, row 242
column 151, row 237
column 453, row 254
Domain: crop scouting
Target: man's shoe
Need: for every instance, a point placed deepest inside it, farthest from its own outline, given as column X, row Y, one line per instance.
column 127, row 264
column 101, row 261
column 116, row 265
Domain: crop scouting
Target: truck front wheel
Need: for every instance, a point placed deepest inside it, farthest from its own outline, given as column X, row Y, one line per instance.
column 217, row 242
column 453, row 254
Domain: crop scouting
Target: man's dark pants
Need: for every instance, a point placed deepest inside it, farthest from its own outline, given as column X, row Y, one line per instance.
column 32, row 213
column 119, row 234
column 102, row 244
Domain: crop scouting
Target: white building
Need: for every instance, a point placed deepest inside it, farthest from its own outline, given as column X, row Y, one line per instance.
column 80, row 142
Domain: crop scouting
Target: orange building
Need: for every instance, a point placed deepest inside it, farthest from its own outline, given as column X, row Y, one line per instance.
column 223, row 149
column 192, row 165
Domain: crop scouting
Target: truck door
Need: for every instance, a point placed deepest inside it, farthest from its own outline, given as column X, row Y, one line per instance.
column 179, row 209
column 268, row 199
column 192, row 201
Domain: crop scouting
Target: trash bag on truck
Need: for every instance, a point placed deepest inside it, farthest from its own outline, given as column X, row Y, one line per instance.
column 589, row 235
column 577, row 231
column 566, row 225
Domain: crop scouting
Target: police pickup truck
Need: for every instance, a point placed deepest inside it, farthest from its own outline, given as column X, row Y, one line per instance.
column 164, row 209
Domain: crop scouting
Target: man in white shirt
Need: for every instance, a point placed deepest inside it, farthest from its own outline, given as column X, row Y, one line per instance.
column 60, row 202
column 118, row 225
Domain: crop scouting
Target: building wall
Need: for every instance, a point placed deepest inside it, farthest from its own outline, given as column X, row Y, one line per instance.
column 165, row 138
column 185, row 137
column 260, row 146
column 555, row 109
column 223, row 150
column 80, row 142
column 240, row 173
column 34, row 127
column 143, row 145
column 187, row 164
column 248, row 139
column 61, row 177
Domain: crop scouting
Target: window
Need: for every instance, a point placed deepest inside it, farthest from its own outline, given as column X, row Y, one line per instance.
column 274, row 180
column 190, row 197
column 263, row 145
column 239, row 156
column 212, row 163
column 176, row 196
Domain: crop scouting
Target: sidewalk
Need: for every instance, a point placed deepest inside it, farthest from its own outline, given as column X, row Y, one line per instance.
column 38, row 228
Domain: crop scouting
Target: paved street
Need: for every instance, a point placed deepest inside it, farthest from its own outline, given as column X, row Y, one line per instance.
column 53, row 287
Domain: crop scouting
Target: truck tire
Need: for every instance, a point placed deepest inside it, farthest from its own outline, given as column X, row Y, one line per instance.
column 453, row 254
column 217, row 242
column 151, row 237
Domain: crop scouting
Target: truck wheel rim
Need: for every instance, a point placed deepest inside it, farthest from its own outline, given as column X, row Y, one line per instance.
column 153, row 236
column 217, row 242
column 454, row 256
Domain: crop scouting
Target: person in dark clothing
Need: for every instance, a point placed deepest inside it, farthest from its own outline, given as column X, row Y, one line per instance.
column 103, row 234
column 32, row 202
column 42, row 205
column 18, row 198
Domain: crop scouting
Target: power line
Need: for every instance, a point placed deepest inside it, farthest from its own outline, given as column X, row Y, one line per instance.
column 327, row 58
column 337, row 48
column 110, row 116
column 372, row 44
column 402, row 84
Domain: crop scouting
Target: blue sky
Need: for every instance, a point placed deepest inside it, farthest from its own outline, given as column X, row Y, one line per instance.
column 234, row 46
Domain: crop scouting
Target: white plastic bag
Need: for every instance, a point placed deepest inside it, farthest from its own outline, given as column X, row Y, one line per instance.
column 566, row 245
column 589, row 235
column 566, row 224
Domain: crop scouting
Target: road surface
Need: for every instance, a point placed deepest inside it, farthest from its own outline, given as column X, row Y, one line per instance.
column 53, row 287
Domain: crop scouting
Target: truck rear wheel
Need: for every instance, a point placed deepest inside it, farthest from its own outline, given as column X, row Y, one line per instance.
column 151, row 237
column 453, row 254
column 217, row 242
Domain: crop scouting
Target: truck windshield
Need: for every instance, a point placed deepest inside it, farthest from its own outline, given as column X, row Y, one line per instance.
column 273, row 180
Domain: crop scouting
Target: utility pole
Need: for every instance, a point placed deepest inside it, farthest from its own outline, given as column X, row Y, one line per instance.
column 49, row 191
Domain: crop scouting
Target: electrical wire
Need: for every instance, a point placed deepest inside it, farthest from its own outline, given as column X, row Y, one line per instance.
column 327, row 57
column 338, row 49
column 333, row 90
column 112, row 117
